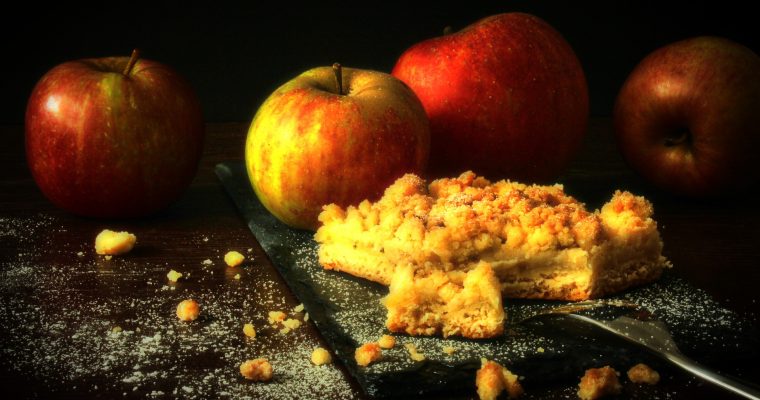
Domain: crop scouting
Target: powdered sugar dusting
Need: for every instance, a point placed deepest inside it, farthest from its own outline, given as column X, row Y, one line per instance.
column 59, row 332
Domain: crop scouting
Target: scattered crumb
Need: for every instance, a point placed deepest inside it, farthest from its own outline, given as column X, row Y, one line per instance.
column 298, row 308
column 205, row 238
column 207, row 262
column 108, row 257
column 80, row 254
column 173, row 276
column 276, row 316
column 188, row 310
column 491, row 379
column 367, row 353
column 249, row 330
column 386, row 341
column 413, row 353
column 289, row 324
column 116, row 329
column 320, row 356
column 259, row 370
column 540, row 350
column 642, row 373
column 449, row 350
column 599, row 382
column 233, row 258
column 512, row 384
column 250, row 249
column 305, row 317
column 114, row 243
column 236, row 277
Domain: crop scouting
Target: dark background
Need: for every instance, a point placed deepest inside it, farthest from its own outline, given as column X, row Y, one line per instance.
column 236, row 54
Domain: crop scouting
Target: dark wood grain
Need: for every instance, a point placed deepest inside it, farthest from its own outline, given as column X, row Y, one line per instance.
column 714, row 244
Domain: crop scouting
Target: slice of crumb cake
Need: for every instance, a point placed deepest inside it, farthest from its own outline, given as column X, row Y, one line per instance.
column 539, row 241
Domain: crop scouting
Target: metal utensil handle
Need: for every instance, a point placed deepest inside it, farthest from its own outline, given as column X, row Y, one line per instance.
column 682, row 361
column 710, row 376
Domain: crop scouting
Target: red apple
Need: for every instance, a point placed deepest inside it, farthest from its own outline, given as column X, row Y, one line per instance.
column 113, row 137
column 506, row 97
column 333, row 135
column 688, row 117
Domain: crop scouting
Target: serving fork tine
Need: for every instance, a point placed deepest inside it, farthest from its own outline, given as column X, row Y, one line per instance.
column 639, row 326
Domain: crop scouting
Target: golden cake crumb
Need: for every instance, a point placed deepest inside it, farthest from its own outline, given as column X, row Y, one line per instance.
column 108, row 257
column 173, row 276
column 249, row 330
column 236, row 277
column 289, row 325
column 116, row 329
column 489, row 381
column 449, row 350
column 276, row 317
column 305, row 317
column 109, row 242
column 233, row 258
column 413, row 353
column 492, row 379
column 599, row 382
column 512, row 384
column 642, row 373
column 386, row 342
column 259, row 370
column 320, row 356
column 298, row 308
column 188, row 310
column 540, row 350
column 367, row 353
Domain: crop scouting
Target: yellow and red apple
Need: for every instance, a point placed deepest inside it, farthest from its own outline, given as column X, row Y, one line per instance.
column 687, row 118
column 113, row 137
column 333, row 135
column 506, row 97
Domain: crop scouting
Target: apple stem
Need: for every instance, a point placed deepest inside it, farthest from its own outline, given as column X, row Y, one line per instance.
column 132, row 62
column 338, row 70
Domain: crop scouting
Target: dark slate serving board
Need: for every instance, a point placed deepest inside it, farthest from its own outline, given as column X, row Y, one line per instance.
column 347, row 312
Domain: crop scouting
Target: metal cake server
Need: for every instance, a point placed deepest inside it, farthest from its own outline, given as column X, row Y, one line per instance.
column 638, row 326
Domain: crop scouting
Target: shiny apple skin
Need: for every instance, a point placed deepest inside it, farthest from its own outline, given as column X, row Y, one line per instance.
column 506, row 98
column 309, row 146
column 688, row 117
column 101, row 144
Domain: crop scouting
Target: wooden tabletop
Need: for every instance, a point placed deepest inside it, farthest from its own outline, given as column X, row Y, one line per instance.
column 73, row 324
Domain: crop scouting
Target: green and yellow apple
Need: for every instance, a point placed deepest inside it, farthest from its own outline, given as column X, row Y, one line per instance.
column 333, row 135
column 506, row 98
column 113, row 137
